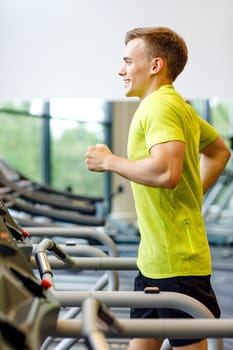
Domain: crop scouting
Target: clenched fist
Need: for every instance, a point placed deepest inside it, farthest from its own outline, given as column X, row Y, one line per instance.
column 96, row 157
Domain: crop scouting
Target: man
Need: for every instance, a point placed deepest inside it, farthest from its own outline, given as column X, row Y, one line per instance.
column 174, row 156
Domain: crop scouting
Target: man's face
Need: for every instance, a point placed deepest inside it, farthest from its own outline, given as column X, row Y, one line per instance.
column 136, row 70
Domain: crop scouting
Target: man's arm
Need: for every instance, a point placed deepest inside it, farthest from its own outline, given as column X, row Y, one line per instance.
column 162, row 169
column 214, row 158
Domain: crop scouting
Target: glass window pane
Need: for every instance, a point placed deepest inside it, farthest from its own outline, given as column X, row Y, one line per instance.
column 20, row 143
column 76, row 123
column 69, row 146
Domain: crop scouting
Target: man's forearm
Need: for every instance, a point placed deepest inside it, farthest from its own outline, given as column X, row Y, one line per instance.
column 162, row 168
column 211, row 169
column 148, row 171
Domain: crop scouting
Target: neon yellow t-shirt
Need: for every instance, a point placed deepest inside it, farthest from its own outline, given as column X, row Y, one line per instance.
column 173, row 238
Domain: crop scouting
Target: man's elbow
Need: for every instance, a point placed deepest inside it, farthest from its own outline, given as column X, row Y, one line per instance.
column 173, row 183
column 225, row 157
column 224, row 153
column 172, row 180
column 228, row 155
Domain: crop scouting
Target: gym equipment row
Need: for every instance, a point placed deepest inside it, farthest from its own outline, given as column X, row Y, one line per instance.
column 16, row 177
column 217, row 210
column 56, row 215
column 22, row 195
column 32, row 314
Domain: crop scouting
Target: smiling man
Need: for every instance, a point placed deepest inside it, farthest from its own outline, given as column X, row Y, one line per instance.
column 174, row 157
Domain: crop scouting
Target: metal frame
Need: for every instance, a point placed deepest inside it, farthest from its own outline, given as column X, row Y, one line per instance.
column 103, row 299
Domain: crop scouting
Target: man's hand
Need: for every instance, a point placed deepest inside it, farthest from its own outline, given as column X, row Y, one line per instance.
column 96, row 157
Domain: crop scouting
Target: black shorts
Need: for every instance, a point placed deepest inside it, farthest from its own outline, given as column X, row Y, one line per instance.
column 198, row 287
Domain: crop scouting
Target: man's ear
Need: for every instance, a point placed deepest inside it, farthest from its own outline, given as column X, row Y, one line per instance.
column 157, row 65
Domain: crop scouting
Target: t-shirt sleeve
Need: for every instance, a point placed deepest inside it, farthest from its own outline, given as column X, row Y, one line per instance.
column 207, row 133
column 162, row 125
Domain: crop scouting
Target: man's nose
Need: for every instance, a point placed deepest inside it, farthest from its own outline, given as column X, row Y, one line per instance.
column 121, row 72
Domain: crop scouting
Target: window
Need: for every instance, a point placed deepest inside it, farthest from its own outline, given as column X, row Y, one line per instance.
column 73, row 125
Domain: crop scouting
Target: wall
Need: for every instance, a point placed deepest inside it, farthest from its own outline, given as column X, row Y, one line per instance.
column 69, row 48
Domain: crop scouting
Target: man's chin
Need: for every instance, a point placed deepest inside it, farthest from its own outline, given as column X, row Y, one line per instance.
column 129, row 93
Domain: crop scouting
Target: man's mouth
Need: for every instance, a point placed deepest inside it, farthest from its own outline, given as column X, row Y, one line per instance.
column 126, row 81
